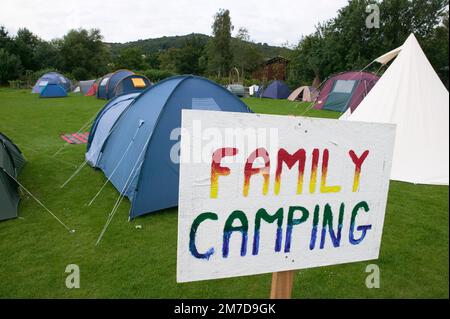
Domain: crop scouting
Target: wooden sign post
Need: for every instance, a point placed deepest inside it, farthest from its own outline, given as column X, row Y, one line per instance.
column 273, row 194
column 282, row 283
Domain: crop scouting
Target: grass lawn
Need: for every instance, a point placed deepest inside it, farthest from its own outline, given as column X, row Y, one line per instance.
column 141, row 263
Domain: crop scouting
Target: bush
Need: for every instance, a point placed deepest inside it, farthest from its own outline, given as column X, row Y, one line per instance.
column 80, row 74
column 220, row 80
column 157, row 75
column 10, row 66
column 15, row 84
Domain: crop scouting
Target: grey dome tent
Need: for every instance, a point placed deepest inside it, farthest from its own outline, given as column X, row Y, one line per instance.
column 85, row 86
column 11, row 163
column 304, row 93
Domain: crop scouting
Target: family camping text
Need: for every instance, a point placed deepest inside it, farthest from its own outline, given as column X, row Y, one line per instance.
column 286, row 218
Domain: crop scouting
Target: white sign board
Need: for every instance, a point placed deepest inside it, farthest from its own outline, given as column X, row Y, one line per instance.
column 263, row 193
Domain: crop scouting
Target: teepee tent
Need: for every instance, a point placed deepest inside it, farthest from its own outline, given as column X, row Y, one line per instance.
column 411, row 95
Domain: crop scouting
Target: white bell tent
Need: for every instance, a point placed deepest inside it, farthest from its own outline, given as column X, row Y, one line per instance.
column 411, row 95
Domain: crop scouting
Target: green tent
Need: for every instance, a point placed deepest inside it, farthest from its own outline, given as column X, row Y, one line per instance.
column 11, row 163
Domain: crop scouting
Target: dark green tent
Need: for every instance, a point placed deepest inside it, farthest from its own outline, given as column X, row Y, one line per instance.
column 11, row 163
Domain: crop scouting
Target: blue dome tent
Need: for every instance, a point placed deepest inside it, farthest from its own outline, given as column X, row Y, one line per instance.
column 53, row 90
column 132, row 83
column 101, row 90
column 136, row 155
column 103, row 123
column 52, row 78
column 108, row 83
column 276, row 90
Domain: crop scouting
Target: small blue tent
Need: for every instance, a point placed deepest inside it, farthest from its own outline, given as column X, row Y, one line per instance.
column 276, row 90
column 52, row 78
column 136, row 155
column 53, row 90
column 132, row 83
column 103, row 123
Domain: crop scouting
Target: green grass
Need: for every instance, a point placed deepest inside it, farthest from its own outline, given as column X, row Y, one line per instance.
column 141, row 263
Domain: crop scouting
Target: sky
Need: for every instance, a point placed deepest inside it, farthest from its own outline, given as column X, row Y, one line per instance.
column 275, row 22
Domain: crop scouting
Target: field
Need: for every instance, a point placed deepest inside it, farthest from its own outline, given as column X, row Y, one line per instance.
column 141, row 263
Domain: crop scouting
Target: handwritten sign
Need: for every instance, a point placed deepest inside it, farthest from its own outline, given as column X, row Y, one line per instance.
column 275, row 193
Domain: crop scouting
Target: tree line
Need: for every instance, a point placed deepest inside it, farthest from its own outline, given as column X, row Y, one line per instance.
column 81, row 54
column 340, row 44
column 346, row 43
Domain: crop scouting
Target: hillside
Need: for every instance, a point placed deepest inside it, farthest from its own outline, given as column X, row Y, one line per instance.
column 149, row 46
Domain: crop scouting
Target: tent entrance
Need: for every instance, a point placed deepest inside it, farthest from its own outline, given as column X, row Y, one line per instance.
column 340, row 95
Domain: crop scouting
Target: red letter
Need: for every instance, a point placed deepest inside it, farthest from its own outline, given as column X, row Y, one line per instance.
column 217, row 170
column 290, row 160
column 358, row 161
column 315, row 162
column 249, row 170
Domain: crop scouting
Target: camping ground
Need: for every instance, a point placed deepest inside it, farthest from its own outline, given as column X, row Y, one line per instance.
column 133, row 262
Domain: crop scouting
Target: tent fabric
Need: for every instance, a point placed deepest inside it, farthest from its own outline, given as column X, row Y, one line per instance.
column 253, row 90
column 11, row 163
column 411, row 95
column 236, row 89
column 304, row 93
column 93, row 90
column 276, row 90
column 103, row 124
column 132, row 83
column 136, row 155
column 53, row 90
column 52, row 78
column 387, row 57
column 85, row 86
column 102, row 86
column 345, row 90
column 115, row 78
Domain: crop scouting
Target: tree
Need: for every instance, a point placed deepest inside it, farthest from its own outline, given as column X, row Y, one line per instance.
column 246, row 56
column 152, row 60
column 131, row 58
column 84, row 49
column 25, row 44
column 220, row 55
column 10, row 66
column 187, row 59
column 168, row 59
column 6, row 42
column 47, row 55
column 346, row 43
